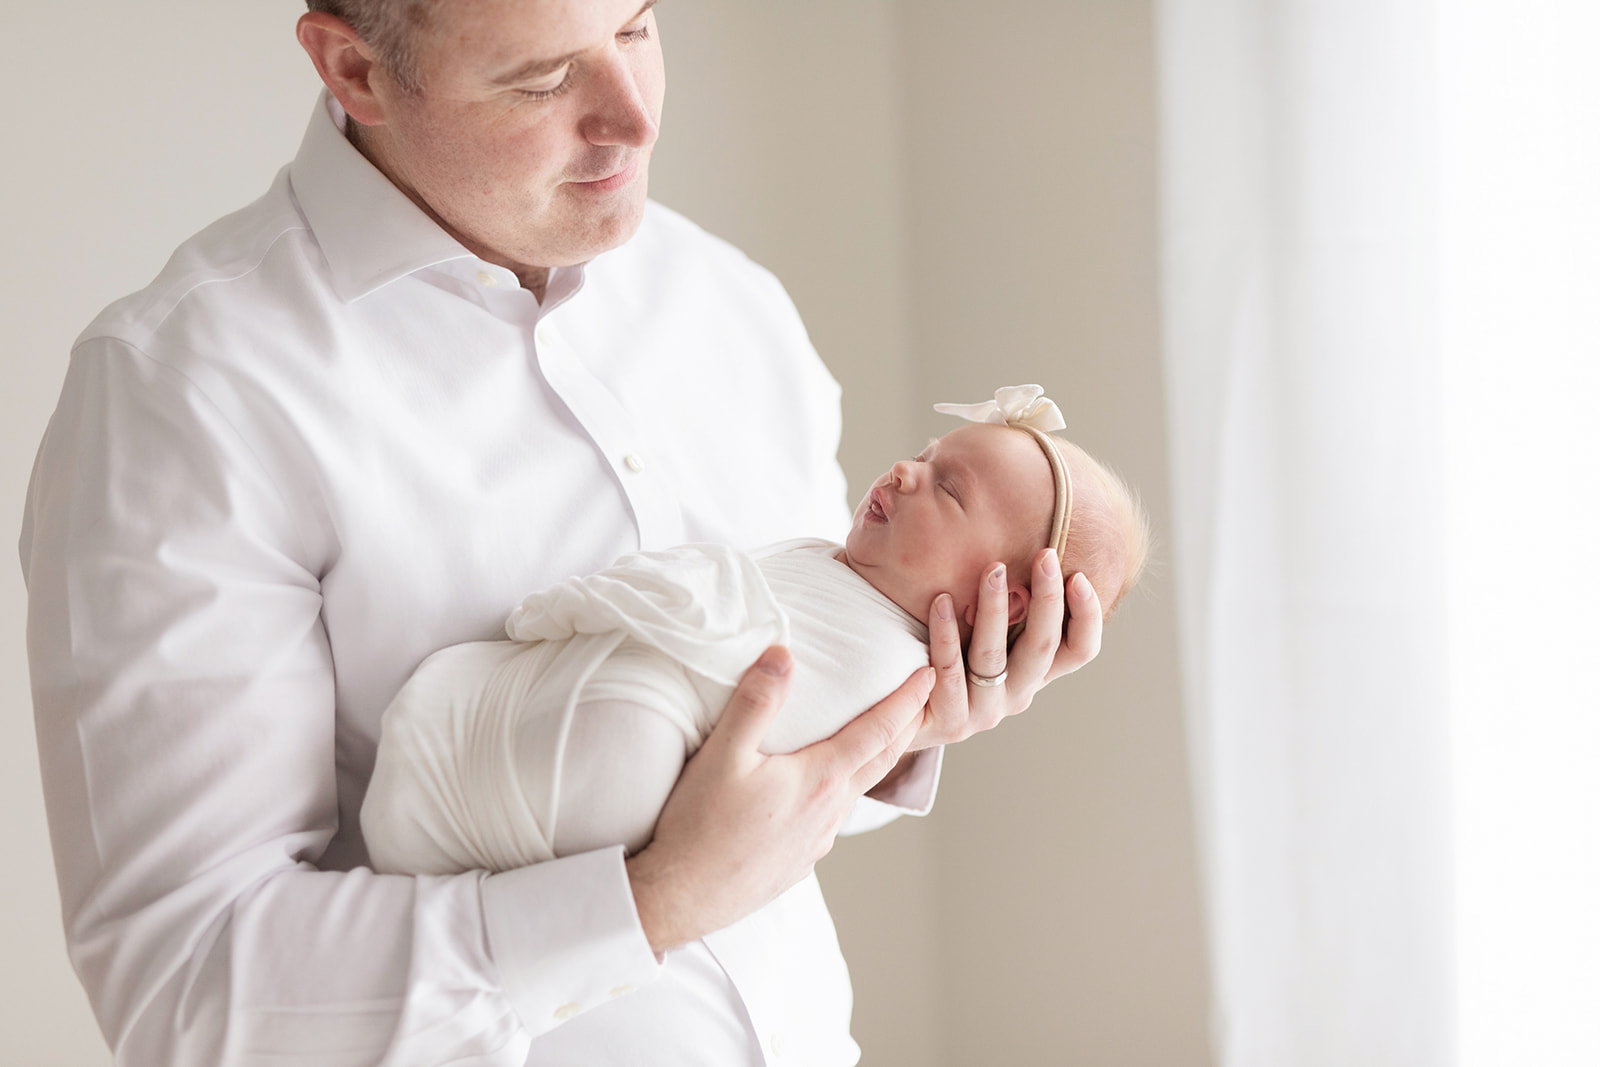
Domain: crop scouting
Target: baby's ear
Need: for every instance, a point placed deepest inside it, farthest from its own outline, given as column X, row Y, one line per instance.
column 1017, row 599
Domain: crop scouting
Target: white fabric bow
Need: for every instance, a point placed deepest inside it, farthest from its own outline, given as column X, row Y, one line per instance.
column 1013, row 405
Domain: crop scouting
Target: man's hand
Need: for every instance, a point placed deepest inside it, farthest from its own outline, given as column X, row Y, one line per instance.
column 959, row 709
column 741, row 827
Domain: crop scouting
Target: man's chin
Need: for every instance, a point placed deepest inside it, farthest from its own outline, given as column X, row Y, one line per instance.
column 602, row 231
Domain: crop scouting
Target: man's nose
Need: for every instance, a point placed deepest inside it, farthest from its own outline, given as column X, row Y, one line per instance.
column 621, row 114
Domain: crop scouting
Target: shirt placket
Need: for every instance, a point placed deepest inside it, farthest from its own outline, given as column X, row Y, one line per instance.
column 657, row 514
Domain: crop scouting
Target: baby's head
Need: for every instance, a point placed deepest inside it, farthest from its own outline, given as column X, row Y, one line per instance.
column 988, row 493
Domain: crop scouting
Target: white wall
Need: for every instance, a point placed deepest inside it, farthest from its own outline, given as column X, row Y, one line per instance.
column 955, row 202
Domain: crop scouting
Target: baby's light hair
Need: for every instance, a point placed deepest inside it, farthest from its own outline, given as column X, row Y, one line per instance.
column 1110, row 537
column 1108, row 532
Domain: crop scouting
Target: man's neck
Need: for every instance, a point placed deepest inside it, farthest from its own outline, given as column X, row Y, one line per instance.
column 534, row 279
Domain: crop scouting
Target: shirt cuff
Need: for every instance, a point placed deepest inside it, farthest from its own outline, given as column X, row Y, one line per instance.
column 912, row 795
column 565, row 936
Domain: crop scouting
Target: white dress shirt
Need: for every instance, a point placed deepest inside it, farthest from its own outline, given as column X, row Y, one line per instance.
column 325, row 442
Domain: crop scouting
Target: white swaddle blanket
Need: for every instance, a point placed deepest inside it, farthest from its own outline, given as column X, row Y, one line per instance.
column 668, row 632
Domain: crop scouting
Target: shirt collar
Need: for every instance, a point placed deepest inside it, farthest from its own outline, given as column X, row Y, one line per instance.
column 369, row 231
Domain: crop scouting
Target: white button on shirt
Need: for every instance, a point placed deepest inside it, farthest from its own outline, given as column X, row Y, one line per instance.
column 312, row 452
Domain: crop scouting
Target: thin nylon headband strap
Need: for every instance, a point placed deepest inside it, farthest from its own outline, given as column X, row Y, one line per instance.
column 1061, row 519
column 1027, row 408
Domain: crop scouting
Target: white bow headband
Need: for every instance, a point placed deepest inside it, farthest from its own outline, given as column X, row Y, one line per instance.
column 1027, row 408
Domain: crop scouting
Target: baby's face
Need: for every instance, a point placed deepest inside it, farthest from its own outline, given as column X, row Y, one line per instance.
column 935, row 524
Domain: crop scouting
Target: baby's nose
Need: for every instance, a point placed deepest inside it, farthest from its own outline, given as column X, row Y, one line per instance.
column 903, row 475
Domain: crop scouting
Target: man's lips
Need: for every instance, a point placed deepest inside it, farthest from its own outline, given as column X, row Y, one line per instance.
column 614, row 179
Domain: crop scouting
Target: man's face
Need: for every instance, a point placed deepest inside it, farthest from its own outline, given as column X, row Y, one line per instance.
column 934, row 524
column 530, row 139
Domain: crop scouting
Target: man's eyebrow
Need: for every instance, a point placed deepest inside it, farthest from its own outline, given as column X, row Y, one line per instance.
column 534, row 69
column 538, row 68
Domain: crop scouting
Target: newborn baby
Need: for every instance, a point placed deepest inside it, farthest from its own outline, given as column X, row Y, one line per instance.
column 570, row 736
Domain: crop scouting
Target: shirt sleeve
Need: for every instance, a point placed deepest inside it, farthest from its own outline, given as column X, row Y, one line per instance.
column 912, row 795
column 184, row 707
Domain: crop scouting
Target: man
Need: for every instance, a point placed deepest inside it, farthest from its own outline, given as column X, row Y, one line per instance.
column 452, row 356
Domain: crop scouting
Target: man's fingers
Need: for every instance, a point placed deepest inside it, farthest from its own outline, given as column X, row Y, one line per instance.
column 986, row 653
column 902, row 745
column 871, row 743
column 1035, row 651
column 755, row 702
column 949, row 703
column 875, row 769
column 1083, row 629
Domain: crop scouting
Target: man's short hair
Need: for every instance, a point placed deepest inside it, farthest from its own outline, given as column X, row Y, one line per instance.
column 389, row 27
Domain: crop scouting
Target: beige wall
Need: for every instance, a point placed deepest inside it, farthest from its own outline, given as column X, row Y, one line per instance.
column 959, row 201
column 955, row 202
column 1065, row 862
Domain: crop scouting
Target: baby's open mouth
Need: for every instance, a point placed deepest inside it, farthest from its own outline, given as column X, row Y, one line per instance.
column 875, row 507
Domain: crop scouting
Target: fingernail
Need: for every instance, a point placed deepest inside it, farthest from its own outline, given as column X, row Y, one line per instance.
column 941, row 606
column 1052, row 564
column 774, row 662
column 997, row 577
column 1081, row 587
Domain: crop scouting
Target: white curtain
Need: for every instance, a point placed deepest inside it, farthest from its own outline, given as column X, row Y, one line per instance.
column 1302, row 362
column 1520, row 211
column 1382, row 348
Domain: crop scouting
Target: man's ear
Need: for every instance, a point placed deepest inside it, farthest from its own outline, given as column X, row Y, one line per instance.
column 1017, row 600
column 344, row 62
